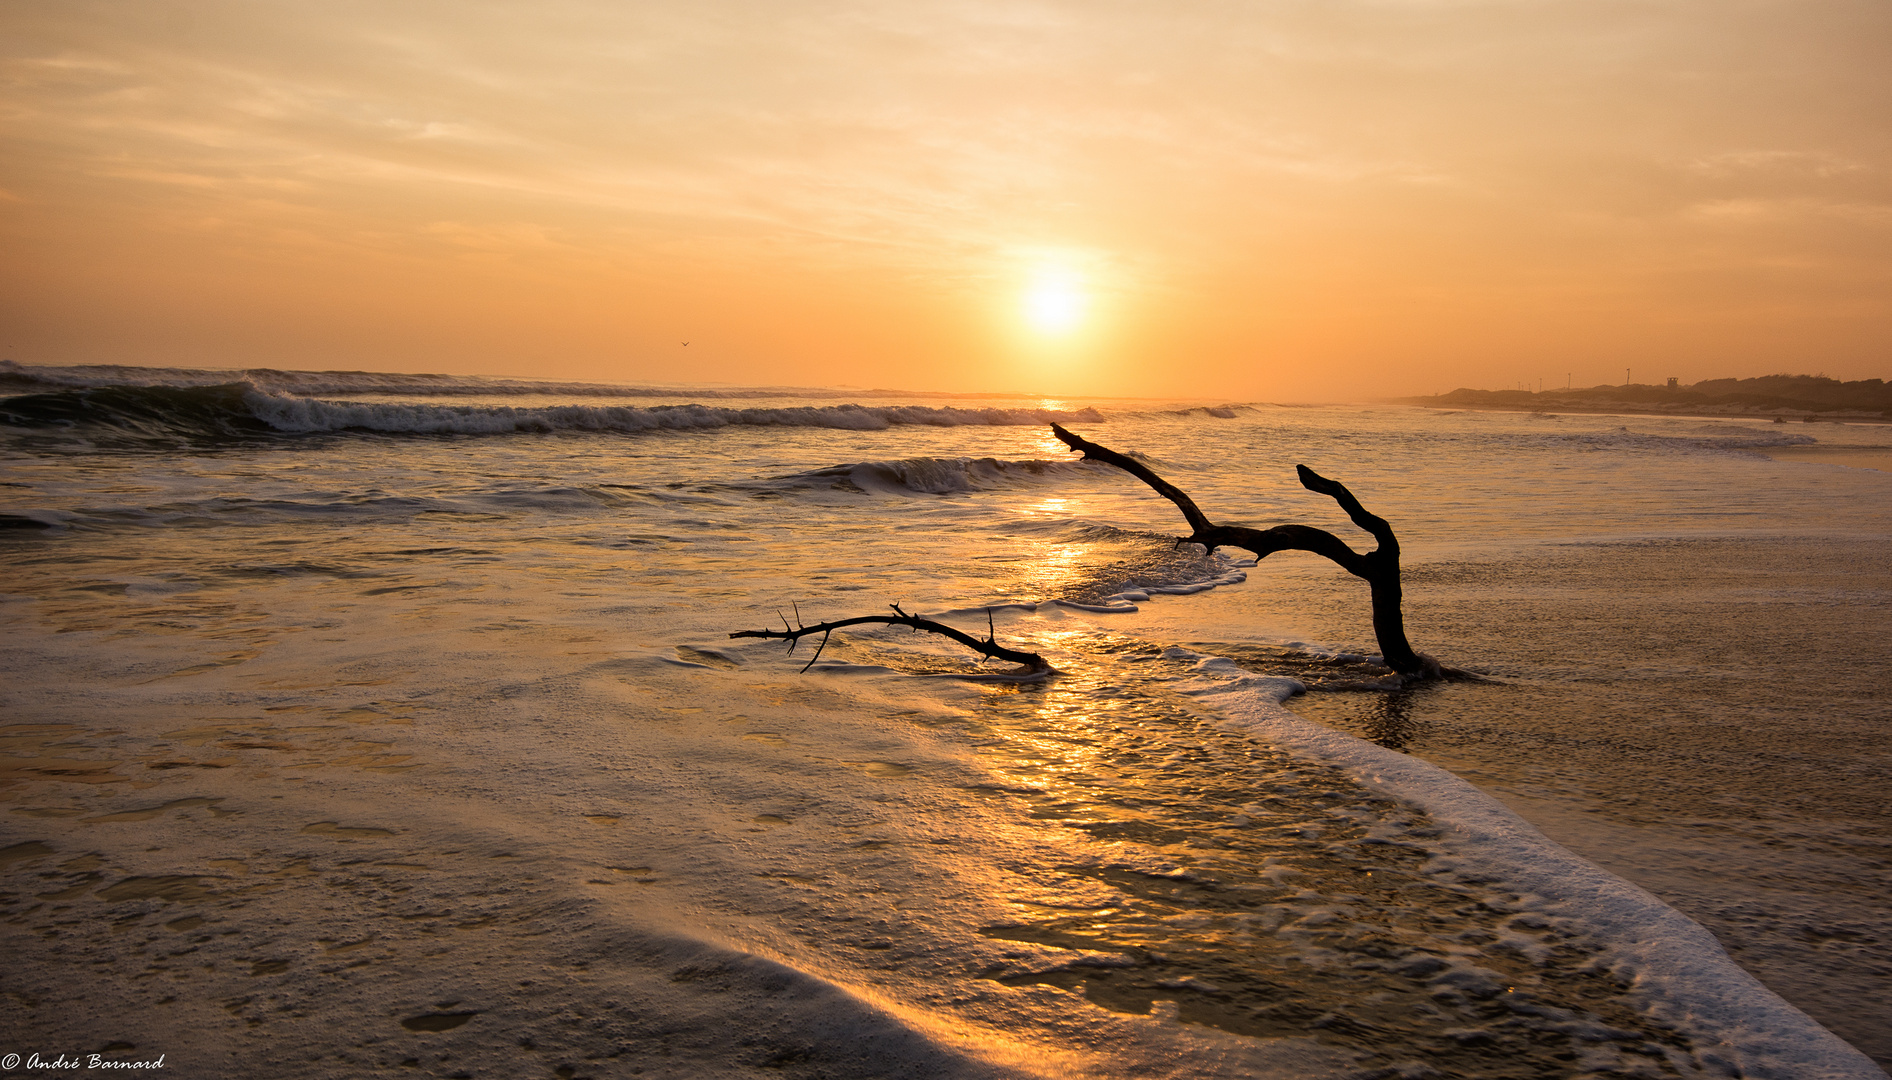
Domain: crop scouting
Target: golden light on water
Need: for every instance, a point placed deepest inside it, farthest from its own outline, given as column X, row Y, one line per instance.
column 1054, row 569
column 1051, row 506
column 1046, row 445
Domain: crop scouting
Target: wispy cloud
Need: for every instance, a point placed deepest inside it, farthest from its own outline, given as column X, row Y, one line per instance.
column 1336, row 151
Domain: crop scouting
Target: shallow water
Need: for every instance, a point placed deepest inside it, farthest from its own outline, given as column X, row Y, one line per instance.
column 1304, row 904
column 1705, row 717
column 359, row 748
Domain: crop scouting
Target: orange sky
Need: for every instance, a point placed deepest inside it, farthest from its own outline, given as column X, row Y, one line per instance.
column 1293, row 200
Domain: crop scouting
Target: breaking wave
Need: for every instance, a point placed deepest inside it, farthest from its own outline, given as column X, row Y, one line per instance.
column 235, row 410
column 934, row 475
column 39, row 378
column 1706, row 437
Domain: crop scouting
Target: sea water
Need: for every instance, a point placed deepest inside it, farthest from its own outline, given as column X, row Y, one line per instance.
column 364, row 723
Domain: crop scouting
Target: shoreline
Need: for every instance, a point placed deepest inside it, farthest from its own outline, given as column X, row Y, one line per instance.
column 1784, row 415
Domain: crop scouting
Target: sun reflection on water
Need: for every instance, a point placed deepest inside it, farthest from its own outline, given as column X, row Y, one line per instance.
column 1214, row 880
column 1047, row 445
column 1049, row 506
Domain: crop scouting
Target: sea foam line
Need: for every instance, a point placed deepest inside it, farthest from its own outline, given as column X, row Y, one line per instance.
column 1674, row 964
column 303, row 415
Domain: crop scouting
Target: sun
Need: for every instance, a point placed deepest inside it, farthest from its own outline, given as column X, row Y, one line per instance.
column 1055, row 302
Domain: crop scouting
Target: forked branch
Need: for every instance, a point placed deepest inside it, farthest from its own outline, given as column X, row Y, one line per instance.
column 1379, row 567
column 989, row 647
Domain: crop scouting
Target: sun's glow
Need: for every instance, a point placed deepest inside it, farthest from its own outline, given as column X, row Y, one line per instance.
column 1055, row 301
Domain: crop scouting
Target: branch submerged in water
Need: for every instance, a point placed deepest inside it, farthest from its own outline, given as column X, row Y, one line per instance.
column 989, row 647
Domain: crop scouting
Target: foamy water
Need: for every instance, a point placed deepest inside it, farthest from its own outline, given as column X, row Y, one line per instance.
column 362, row 720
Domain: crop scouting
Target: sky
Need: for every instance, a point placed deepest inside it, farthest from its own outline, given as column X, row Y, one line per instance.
column 1267, row 200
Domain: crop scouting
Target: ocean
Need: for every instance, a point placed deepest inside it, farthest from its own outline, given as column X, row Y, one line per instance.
column 363, row 724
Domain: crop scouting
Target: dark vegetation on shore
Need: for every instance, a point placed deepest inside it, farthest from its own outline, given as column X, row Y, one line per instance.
column 1790, row 396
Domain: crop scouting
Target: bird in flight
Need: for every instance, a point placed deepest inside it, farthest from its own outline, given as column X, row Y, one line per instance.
column 686, row 343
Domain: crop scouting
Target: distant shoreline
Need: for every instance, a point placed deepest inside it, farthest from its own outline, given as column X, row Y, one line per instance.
column 1786, row 415
column 1783, row 398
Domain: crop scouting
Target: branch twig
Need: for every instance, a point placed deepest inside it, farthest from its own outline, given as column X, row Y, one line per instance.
column 989, row 648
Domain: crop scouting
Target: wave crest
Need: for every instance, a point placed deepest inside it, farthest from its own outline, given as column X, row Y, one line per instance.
column 1700, row 438
column 43, row 378
column 934, row 475
column 241, row 409
column 302, row 415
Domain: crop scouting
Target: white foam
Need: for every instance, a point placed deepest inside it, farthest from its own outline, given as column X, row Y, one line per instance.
column 940, row 476
column 1120, row 608
column 1126, row 601
column 1671, row 963
column 338, row 383
column 301, row 415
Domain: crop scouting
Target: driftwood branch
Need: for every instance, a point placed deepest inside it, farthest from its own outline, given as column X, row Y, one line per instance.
column 989, row 647
column 1379, row 567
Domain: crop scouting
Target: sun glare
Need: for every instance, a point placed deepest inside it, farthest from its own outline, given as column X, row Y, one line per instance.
column 1055, row 302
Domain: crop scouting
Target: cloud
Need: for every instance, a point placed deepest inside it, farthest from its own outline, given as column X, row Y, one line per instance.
column 1331, row 151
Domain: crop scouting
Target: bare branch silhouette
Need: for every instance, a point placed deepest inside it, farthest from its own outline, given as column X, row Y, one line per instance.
column 989, row 647
column 1380, row 567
